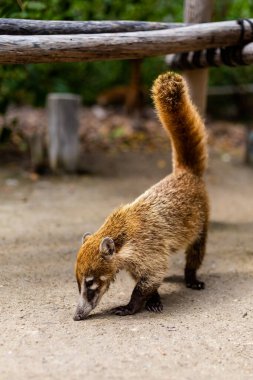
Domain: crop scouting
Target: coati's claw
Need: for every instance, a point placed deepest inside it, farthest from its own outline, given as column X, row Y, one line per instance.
column 196, row 285
column 154, row 303
column 122, row 310
column 156, row 307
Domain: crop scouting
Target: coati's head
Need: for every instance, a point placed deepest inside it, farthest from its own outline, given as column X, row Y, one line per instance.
column 95, row 269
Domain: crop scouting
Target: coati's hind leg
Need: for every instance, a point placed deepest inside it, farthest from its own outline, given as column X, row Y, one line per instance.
column 194, row 257
column 154, row 303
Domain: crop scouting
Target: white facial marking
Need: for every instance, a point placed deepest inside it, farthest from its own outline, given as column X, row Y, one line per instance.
column 103, row 278
column 90, row 278
column 93, row 286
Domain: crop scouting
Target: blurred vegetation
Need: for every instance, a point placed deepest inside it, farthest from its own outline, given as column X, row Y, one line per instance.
column 31, row 83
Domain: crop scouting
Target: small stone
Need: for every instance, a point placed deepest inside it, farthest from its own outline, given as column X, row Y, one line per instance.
column 11, row 182
column 99, row 112
column 226, row 157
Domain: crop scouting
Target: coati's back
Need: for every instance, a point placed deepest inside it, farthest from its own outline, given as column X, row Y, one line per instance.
column 175, row 210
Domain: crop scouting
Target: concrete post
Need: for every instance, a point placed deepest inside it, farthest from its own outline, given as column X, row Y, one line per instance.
column 63, row 125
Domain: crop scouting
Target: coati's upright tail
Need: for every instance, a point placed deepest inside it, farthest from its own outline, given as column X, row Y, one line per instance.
column 181, row 119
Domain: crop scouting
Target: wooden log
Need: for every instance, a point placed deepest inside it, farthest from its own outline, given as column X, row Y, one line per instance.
column 63, row 125
column 41, row 27
column 198, row 11
column 174, row 63
column 107, row 46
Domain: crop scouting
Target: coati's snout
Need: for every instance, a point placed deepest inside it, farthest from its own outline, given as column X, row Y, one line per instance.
column 92, row 289
column 94, row 272
column 83, row 309
column 88, row 299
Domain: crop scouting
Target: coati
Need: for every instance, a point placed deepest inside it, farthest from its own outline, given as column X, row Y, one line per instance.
column 171, row 215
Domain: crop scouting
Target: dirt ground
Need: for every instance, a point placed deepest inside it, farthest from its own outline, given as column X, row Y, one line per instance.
column 203, row 335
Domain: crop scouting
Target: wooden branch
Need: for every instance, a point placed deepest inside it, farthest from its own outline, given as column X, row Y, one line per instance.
column 40, row 27
column 90, row 47
column 198, row 11
column 173, row 60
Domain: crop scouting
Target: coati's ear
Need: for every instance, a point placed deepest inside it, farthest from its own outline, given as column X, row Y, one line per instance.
column 107, row 248
column 85, row 236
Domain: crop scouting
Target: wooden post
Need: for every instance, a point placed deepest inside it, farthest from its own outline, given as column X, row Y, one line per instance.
column 249, row 145
column 198, row 11
column 63, row 125
column 37, row 151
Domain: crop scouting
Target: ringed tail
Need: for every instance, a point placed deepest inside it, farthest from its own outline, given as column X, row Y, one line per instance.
column 182, row 121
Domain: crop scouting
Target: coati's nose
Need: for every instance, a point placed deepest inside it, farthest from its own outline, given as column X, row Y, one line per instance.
column 78, row 317
column 82, row 311
column 80, row 314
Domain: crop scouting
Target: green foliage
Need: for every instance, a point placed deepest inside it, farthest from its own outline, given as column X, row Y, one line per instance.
column 232, row 10
column 94, row 10
column 31, row 83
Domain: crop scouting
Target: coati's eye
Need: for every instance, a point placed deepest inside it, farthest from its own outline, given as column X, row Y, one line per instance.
column 91, row 287
column 90, row 294
column 89, row 282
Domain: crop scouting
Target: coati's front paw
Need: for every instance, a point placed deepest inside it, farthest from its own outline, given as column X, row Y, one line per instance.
column 196, row 285
column 154, row 304
column 123, row 310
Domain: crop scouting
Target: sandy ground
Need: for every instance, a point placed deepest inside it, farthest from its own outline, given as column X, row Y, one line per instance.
column 203, row 335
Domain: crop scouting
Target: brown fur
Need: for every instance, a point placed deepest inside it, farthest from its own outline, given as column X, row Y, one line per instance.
column 180, row 118
column 171, row 215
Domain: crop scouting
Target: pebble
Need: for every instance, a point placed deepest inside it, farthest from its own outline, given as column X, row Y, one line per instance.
column 11, row 182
